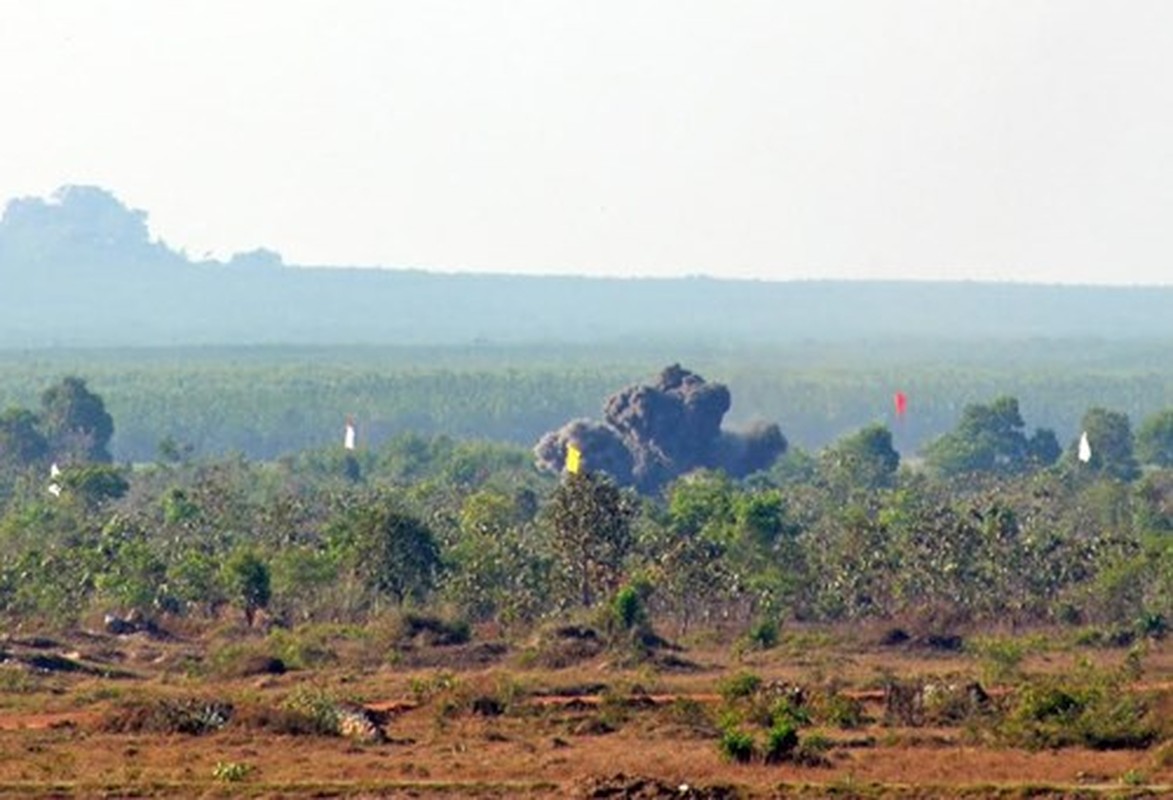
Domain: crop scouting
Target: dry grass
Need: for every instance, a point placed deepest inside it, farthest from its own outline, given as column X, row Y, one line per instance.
column 441, row 741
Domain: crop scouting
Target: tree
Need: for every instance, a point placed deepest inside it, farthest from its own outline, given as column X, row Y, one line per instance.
column 591, row 518
column 75, row 422
column 1110, row 435
column 865, row 459
column 991, row 438
column 248, row 582
column 95, row 483
column 1154, row 439
column 392, row 551
column 21, row 444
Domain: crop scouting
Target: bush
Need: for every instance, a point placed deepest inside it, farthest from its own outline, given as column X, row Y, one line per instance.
column 737, row 745
column 739, row 686
column 781, row 742
column 1089, row 709
column 231, row 771
column 243, row 661
column 318, row 710
column 1151, row 625
column 433, row 631
column 627, row 609
column 838, row 710
column 762, row 635
column 191, row 716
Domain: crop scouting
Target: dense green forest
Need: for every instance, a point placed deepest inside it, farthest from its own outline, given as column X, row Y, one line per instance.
column 265, row 402
column 998, row 525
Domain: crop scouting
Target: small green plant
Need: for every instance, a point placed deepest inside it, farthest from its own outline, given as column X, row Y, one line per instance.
column 787, row 710
column 1152, row 625
column 627, row 610
column 424, row 689
column 763, row 634
column 232, row 771
column 838, row 710
column 1001, row 659
column 737, row 745
column 739, row 686
column 781, row 742
column 318, row 707
column 1134, row 777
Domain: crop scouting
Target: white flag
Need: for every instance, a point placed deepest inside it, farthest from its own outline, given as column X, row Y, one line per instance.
column 1085, row 448
column 54, row 471
column 348, row 440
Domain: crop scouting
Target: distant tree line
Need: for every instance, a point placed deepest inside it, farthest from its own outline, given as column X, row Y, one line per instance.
column 998, row 524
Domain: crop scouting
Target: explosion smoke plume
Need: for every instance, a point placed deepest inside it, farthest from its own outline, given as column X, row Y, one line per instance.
column 653, row 434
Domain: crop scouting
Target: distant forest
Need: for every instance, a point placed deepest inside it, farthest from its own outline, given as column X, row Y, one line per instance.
column 255, row 356
column 81, row 269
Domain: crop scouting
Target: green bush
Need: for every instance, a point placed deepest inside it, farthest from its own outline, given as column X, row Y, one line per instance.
column 1089, row 708
column 737, row 745
column 739, row 686
column 317, row 707
column 232, row 771
column 763, row 634
column 781, row 742
column 627, row 610
column 838, row 710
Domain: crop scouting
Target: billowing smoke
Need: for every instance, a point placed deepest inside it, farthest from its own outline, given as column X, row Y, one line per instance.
column 652, row 434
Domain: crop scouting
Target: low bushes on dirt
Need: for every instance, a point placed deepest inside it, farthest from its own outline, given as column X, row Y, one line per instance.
column 192, row 716
column 1089, row 708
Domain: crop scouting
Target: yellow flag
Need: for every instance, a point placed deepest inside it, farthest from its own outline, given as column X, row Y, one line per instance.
column 573, row 458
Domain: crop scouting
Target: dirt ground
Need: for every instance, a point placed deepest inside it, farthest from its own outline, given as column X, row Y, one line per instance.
column 510, row 728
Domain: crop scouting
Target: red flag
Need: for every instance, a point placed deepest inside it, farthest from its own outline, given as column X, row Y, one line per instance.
column 900, row 400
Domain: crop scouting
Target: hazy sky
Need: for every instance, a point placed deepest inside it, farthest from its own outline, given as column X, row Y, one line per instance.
column 977, row 139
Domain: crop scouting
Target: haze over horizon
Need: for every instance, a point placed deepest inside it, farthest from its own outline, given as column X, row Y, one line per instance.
column 839, row 139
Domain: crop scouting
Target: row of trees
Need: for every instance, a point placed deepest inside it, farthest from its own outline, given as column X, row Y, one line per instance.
column 848, row 533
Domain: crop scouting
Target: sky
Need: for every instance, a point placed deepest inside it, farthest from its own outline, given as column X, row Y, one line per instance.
column 1022, row 140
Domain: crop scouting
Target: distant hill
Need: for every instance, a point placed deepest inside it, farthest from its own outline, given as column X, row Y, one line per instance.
column 81, row 269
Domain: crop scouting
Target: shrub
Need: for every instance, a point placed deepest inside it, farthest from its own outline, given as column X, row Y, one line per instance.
column 192, row 716
column 1151, row 625
column 1088, row 709
column 433, row 631
column 838, row 710
column 739, row 686
column 762, row 635
column 317, row 708
column 627, row 609
column 781, row 742
column 231, row 771
column 737, row 745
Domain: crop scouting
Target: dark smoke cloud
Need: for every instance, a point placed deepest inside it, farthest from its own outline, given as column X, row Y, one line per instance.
column 653, row 434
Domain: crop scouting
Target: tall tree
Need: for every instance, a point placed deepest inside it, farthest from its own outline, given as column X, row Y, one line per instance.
column 1110, row 435
column 590, row 519
column 990, row 438
column 21, row 444
column 395, row 553
column 1154, row 439
column 865, row 459
column 75, row 422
